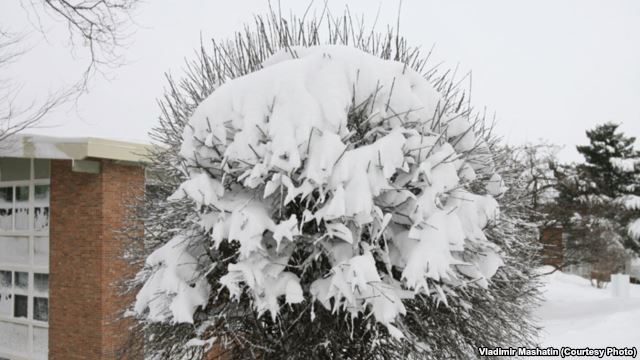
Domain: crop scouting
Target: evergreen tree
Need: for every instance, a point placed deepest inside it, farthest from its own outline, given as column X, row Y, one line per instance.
column 597, row 199
column 612, row 169
column 606, row 145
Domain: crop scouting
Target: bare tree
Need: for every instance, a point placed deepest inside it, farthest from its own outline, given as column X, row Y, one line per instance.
column 101, row 25
column 15, row 117
column 530, row 168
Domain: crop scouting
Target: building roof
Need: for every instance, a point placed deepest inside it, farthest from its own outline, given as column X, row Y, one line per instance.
column 80, row 148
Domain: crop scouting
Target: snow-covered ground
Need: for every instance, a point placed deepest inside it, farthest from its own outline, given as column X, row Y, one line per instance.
column 576, row 314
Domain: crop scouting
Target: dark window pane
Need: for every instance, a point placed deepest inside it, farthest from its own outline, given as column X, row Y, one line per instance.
column 40, row 309
column 22, row 280
column 41, row 169
column 6, row 208
column 41, row 193
column 20, row 306
column 5, row 279
column 6, row 293
column 14, row 169
column 41, row 283
column 6, row 196
column 22, row 194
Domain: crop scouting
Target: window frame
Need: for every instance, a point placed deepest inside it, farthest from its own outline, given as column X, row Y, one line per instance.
column 30, row 267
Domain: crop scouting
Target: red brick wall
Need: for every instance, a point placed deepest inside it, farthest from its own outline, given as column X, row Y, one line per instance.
column 87, row 210
column 552, row 247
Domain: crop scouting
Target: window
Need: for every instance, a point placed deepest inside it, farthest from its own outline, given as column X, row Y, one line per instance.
column 24, row 257
column 18, row 202
column 6, row 208
column 41, row 207
column 41, row 297
column 12, row 169
column 15, row 249
column 20, row 306
column 6, row 293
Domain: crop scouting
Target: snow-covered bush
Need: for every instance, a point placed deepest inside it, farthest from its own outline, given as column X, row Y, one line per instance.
column 322, row 195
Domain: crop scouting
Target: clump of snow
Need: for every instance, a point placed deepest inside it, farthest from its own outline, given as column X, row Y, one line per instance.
column 266, row 280
column 174, row 290
column 630, row 202
column 391, row 188
column 354, row 285
column 634, row 229
column 496, row 186
column 625, row 165
column 596, row 199
column 206, row 344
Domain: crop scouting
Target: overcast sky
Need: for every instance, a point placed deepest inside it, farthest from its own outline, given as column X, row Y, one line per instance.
column 550, row 69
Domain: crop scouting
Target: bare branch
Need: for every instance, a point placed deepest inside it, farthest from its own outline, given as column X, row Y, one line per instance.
column 102, row 26
column 16, row 117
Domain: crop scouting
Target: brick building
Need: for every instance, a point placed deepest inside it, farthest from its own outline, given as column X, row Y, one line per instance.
column 62, row 202
column 552, row 240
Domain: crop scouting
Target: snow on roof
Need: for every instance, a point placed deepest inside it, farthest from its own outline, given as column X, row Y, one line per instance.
column 73, row 148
